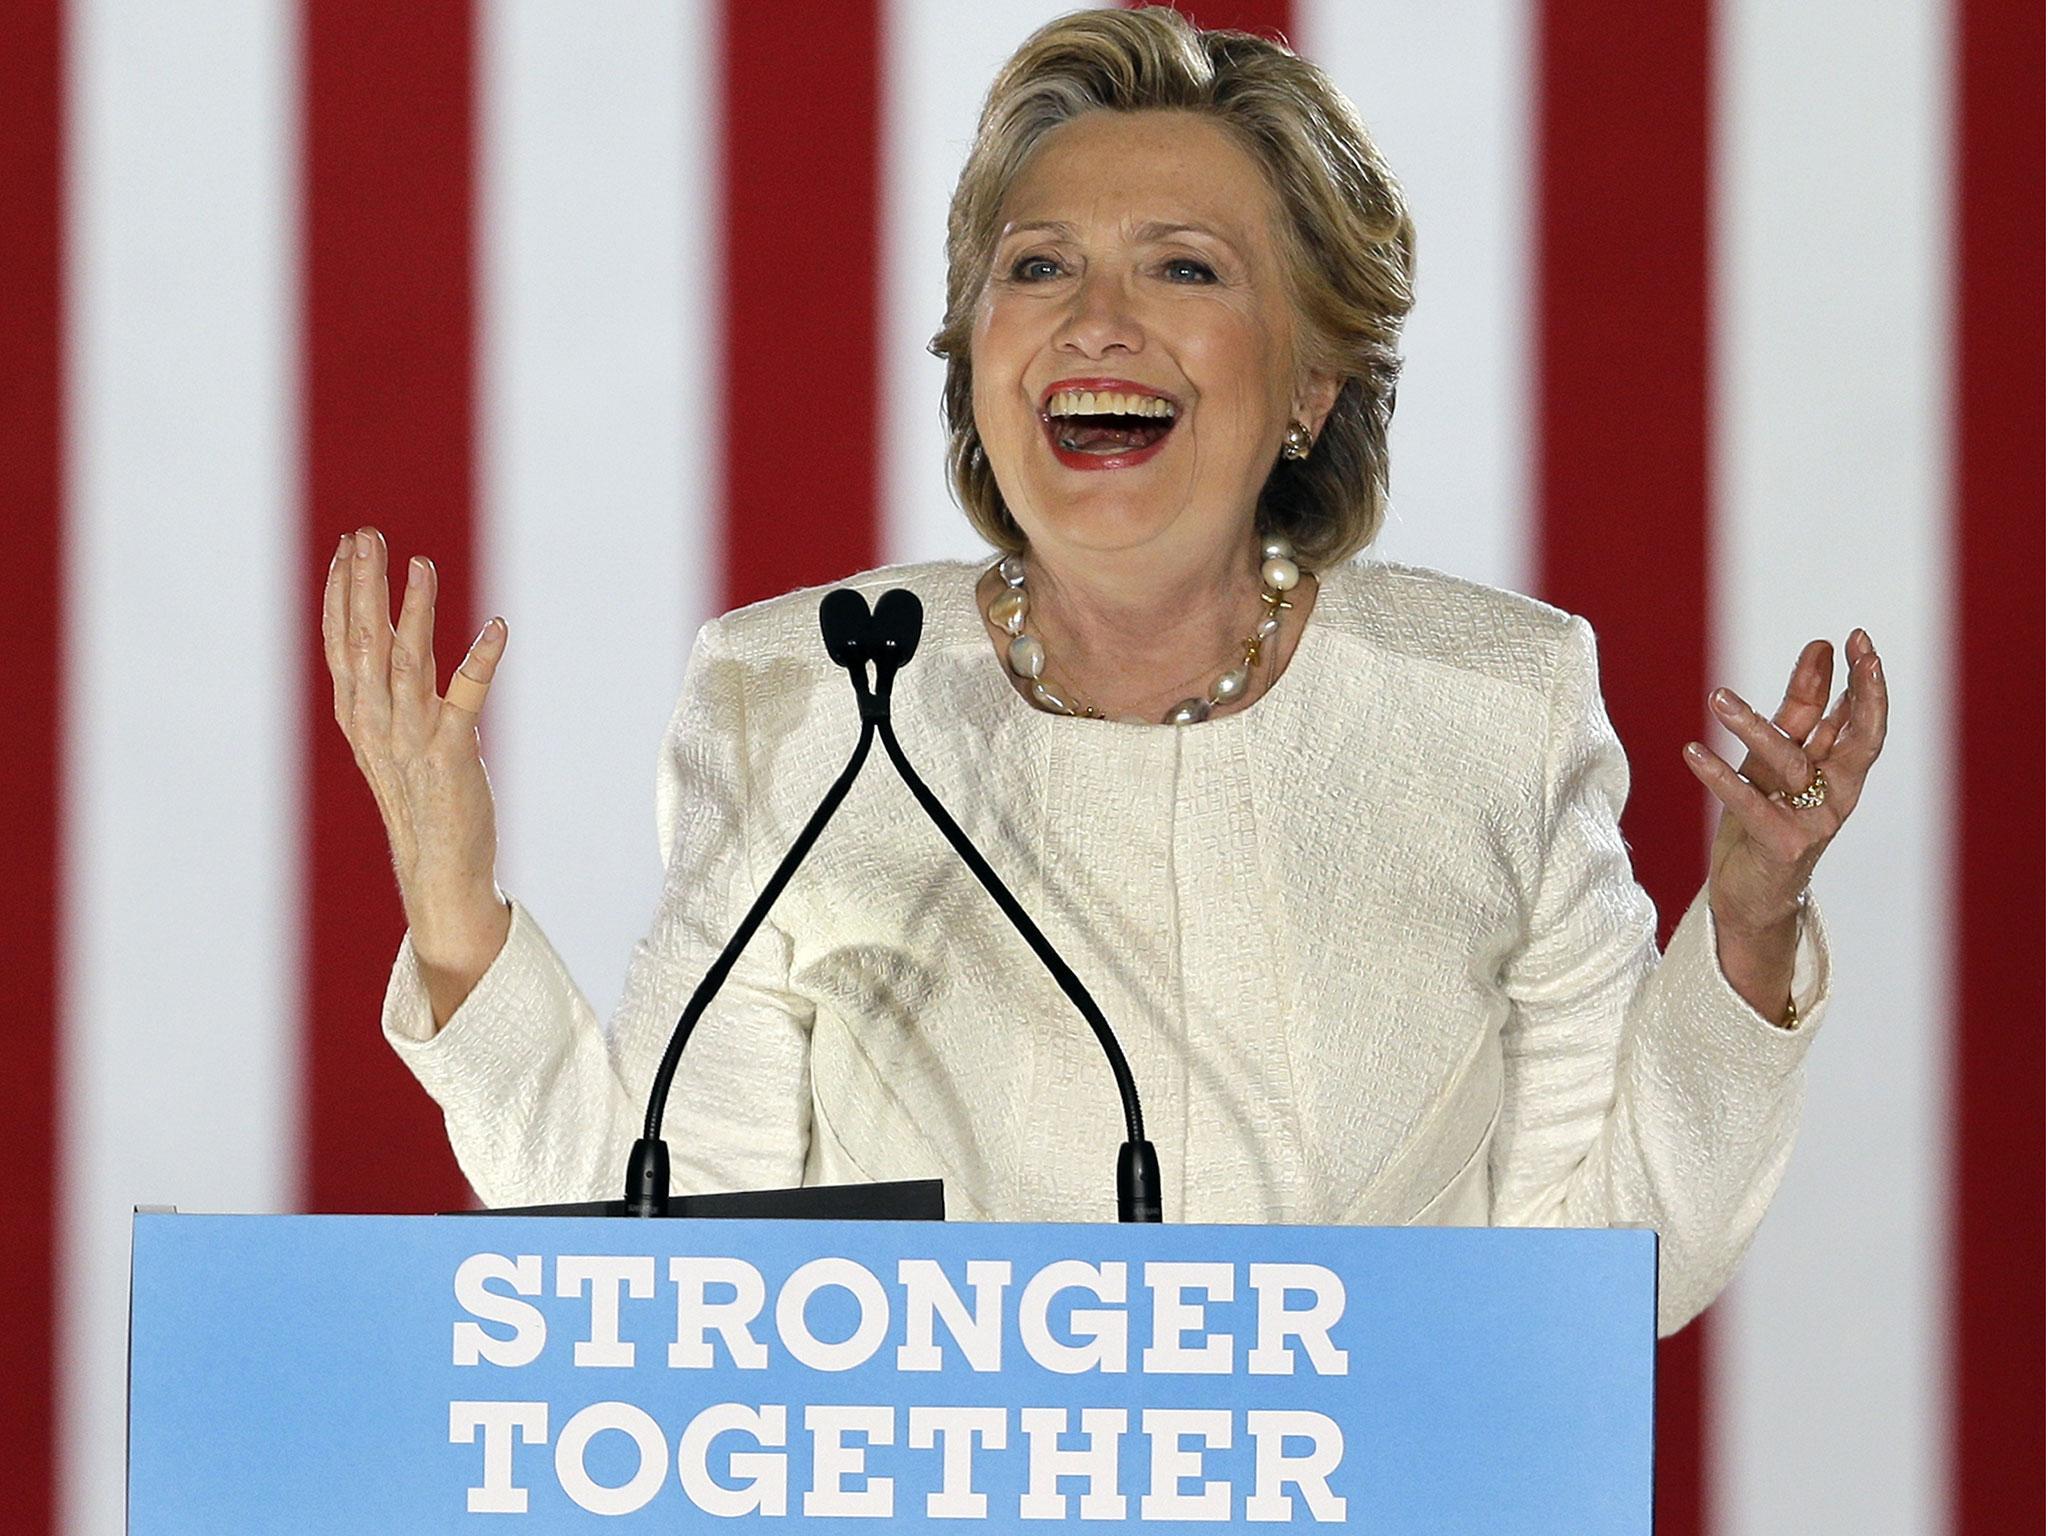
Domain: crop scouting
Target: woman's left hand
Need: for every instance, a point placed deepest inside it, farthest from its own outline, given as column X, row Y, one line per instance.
column 1766, row 847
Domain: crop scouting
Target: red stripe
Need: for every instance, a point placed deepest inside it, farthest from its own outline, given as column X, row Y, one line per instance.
column 1996, row 1418
column 31, row 688
column 802, row 185
column 388, row 332
column 1268, row 18
column 1622, row 459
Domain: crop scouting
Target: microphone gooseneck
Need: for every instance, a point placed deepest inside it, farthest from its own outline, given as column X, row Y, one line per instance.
column 888, row 638
column 647, row 1168
column 1137, row 1169
column 899, row 619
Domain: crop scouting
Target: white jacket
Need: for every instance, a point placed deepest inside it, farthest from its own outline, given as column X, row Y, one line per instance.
column 1372, row 945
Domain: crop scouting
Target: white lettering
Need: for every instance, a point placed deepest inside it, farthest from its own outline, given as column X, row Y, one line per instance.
column 763, row 1475
column 955, row 1431
column 795, row 1327
column 1173, row 1463
column 833, row 1461
column 1106, row 1333
column 696, row 1316
column 1273, row 1468
column 1174, row 1317
column 604, row 1275
column 928, row 1294
column 529, row 1328
column 1272, row 1356
column 497, row 1494
column 1043, row 1427
column 635, row 1491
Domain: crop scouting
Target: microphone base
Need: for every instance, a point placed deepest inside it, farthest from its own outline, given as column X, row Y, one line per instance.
column 647, row 1178
column 1137, row 1183
column 904, row 1200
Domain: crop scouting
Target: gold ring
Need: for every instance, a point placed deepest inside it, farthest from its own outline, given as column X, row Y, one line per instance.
column 466, row 693
column 1813, row 796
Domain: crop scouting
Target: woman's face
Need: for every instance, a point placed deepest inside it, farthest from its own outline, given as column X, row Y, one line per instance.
column 1137, row 258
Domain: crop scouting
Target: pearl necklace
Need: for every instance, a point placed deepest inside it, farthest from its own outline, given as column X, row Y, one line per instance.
column 1025, row 653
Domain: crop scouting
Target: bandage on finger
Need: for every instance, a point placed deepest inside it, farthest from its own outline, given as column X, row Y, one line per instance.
column 466, row 693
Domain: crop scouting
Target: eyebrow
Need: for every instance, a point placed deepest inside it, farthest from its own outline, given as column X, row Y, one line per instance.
column 1157, row 229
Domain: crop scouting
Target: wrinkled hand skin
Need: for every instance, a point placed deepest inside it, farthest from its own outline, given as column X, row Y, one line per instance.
column 422, row 760
column 1765, row 848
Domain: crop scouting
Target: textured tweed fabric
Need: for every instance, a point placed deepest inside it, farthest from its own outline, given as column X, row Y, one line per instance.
column 1372, row 945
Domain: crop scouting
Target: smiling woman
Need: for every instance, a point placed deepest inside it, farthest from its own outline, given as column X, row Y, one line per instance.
column 1260, row 181
column 1095, row 288
column 1334, row 842
column 1147, row 241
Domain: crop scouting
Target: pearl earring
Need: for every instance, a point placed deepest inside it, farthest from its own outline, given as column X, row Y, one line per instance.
column 1298, row 442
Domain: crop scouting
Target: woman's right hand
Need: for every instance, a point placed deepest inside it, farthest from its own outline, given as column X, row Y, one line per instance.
column 421, row 758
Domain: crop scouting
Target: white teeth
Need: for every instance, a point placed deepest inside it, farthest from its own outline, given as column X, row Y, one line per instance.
column 1090, row 402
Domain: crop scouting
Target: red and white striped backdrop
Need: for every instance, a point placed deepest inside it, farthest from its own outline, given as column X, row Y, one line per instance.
column 1729, row 334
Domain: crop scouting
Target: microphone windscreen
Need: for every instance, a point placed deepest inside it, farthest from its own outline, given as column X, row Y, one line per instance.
column 844, row 621
column 899, row 621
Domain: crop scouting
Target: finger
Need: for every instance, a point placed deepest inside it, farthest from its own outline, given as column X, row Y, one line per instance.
column 334, row 624
column 1760, row 816
column 369, row 626
column 412, row 647
column 1822, row 742
column 1774, row 757
column 479, row 667
column 1862, row 737
column 1806, row 694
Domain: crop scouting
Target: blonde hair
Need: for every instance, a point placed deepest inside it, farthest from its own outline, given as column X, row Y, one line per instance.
column 1346, row 241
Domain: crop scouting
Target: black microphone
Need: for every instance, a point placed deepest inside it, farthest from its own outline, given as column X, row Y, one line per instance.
column 898, row 622
column 844, row 620
column 887, row 638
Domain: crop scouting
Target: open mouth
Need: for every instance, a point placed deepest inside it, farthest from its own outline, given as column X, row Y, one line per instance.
column 1093, row 428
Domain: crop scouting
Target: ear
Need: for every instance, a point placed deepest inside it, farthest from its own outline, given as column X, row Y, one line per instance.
column 1314, row 397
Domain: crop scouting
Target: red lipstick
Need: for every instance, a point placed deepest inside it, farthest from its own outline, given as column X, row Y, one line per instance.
column 1123, row 460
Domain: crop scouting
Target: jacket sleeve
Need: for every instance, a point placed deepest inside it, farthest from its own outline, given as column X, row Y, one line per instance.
column 1638, row 1089
column 542, row 1103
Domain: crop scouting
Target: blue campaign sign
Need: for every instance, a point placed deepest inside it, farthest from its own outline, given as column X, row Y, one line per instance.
column 379, row 1374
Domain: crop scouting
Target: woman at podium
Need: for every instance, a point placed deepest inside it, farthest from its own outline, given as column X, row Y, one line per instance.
column 1335, row 843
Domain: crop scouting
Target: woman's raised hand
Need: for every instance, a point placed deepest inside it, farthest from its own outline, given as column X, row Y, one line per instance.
column 419, row 753
column 1803, row 775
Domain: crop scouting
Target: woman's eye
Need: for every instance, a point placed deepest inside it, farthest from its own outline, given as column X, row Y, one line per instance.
column 1031, row 269
column 1195, row 271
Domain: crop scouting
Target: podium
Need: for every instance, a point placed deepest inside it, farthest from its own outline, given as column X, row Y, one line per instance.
column 543, row 1374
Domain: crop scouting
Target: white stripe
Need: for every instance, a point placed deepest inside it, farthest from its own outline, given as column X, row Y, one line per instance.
column 187, row 635
column 1445, row 91
column 599, row 442
column 938, row 65
column 1832, row 460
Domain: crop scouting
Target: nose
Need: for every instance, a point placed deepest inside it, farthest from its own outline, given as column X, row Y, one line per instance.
column 1099, row 318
